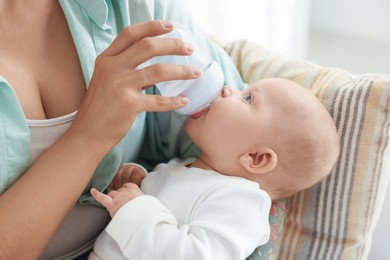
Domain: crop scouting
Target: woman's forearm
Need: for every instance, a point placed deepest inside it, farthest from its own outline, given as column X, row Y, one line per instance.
column 34, row 207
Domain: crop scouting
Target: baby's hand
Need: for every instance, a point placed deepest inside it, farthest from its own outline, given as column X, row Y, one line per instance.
column 115, row 199
column 130, row 172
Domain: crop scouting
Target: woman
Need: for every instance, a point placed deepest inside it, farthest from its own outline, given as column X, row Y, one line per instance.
column 47, row 154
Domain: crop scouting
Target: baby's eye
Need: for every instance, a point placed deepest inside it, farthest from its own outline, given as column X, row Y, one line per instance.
column 248, row 98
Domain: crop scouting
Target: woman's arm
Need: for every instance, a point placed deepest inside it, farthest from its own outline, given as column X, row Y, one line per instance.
column 33, row 207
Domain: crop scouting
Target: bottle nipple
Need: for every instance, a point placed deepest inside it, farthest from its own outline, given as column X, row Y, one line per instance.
column 203, row 110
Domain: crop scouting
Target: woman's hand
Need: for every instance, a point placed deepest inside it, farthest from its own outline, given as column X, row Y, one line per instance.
column 115, row 97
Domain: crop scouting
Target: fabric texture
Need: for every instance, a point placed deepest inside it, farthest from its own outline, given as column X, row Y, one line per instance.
column 334, row 219
column 269, row 250
column 188, row 213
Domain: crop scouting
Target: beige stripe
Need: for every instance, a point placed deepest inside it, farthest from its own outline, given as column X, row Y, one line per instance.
column 239, row 59
column 363, row 176
column 294, row 206
column 294, row 227
column 301, row 223
column 248, row 52
column 326, row 85
column 377, row 169
column 286, row 229
column 359, row 92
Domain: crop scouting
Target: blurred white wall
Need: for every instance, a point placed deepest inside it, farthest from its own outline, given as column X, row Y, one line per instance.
column 279, row 25
column 369, row 19
column 351, row 34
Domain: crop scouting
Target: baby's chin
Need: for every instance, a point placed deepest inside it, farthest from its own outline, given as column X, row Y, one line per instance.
column 191, row 125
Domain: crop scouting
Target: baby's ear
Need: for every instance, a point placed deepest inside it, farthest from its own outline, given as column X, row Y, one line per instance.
column 262, row 161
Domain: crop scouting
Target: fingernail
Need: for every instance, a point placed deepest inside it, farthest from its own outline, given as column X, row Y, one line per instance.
column 167, row 25
column 190, row 49
column 196, row 72
column 184, row 100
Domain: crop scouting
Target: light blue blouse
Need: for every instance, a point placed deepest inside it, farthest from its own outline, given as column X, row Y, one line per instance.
column 154, row 137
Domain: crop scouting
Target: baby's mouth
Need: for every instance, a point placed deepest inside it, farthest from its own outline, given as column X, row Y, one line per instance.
column 200, row 113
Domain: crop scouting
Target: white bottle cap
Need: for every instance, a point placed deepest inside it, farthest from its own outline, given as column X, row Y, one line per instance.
column 203, row 90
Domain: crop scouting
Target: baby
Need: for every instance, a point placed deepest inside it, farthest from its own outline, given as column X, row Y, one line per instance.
column 265, row 143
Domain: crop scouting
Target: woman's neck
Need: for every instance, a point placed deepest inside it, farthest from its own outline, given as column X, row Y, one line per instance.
column 30, row 13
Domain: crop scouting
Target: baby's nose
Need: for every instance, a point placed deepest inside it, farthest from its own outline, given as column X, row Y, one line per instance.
column 226, row 92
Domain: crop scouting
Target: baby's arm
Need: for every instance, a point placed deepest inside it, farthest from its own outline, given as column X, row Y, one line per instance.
column 146, row 229
column 125, row 187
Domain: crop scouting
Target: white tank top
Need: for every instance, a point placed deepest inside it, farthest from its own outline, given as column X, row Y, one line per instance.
column 44, row 133
column 84, row 223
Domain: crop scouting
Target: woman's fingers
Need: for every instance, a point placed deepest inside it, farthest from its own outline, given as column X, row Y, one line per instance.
column 135, row 33
column 157, row 73
column 136, row 44
column 115, row 97
column 150, row 47
column 156, row 103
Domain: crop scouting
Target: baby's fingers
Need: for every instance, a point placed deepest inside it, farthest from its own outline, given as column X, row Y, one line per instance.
column 133, row 173
column 102, row 198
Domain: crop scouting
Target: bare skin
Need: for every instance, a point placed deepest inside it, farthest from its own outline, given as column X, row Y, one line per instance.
column 39, row 60
column 38, row 55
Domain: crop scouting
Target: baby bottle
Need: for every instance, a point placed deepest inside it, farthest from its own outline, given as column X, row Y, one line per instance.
column 200, row 91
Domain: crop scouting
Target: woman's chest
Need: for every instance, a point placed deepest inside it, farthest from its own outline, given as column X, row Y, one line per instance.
column 42, row 66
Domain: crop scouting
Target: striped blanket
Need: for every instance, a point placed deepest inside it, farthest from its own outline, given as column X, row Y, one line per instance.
column 334, row 219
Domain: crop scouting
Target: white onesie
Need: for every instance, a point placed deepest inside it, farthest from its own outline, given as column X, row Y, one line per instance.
column 188, row 213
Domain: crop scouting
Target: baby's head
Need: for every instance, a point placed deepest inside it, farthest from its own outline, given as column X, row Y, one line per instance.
column 275, row 132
